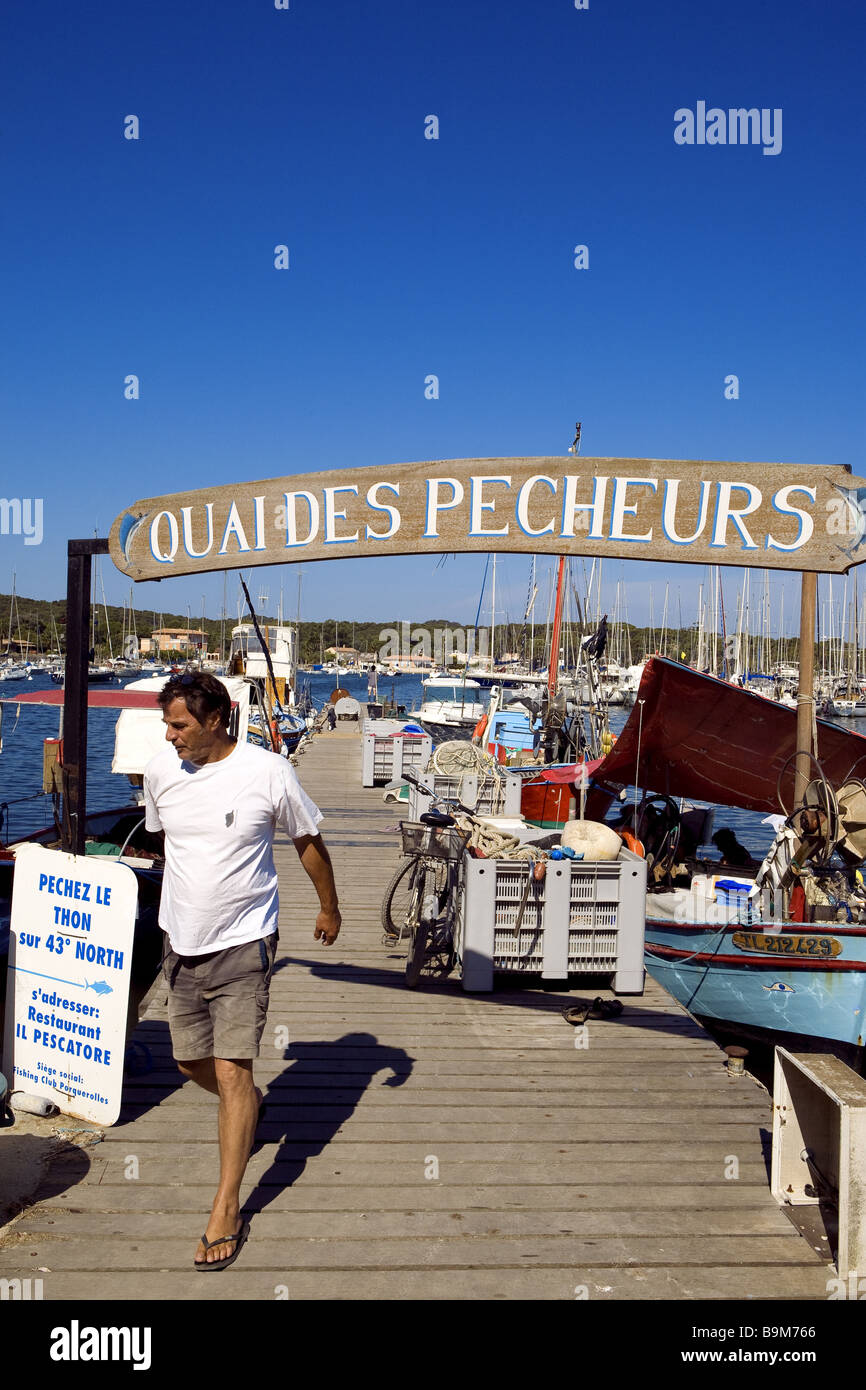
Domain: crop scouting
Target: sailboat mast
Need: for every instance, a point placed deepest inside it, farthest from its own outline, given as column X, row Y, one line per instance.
column 493, row 618
column 715, row 619
column 223, row 624
column 724, row 633
column 532, row 621
column 553, row 665
column 700, row 660
column 11, row 612
column 856, row 661
column 806, row 696
column 598, row 595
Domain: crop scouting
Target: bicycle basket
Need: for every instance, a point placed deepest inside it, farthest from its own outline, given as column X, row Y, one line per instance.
column 446, row 844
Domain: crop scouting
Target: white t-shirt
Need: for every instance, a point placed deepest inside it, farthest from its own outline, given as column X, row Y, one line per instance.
column 220, row 884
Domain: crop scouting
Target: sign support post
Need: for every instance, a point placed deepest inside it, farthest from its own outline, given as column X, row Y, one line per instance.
column 75, row 690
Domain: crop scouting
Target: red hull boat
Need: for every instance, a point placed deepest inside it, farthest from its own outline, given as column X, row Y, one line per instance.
column 694, row 736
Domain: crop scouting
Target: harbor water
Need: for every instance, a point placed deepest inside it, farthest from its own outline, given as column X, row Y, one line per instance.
column 25, row 809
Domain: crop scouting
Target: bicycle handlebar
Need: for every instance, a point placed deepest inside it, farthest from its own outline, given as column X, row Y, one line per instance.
column 413, row 781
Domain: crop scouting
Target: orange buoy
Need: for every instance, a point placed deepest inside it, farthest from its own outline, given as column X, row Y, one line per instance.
column 478, row 731
column 633, row 843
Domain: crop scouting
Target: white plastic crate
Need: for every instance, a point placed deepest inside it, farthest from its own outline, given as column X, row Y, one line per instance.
column 584, row 917
column 465, row 789
column 387, row 750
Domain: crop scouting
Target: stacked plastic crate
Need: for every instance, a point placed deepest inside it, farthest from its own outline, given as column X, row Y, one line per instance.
column 388, row 749
column 481, row 794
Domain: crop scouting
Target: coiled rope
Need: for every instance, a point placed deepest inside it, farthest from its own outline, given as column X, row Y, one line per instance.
column 460, row 759
column 496, row 844
column 459, row 756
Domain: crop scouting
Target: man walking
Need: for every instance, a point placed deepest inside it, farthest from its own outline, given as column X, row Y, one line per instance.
column 219, row 803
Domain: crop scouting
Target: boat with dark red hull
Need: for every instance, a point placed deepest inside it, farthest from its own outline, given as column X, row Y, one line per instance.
column 776, row 950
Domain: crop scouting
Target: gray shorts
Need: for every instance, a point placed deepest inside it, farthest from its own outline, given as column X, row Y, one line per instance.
column 217, row 1003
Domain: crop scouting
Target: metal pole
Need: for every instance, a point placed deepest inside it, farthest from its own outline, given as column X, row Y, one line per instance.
column 806, row 693
column 493, row 619
column 75, row 690
column 553, row 668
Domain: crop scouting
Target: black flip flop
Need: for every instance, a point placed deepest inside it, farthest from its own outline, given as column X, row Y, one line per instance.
column 238, row 1241
column 577, row 1014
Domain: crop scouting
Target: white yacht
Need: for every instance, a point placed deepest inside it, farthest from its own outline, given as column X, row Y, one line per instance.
column 452, row 710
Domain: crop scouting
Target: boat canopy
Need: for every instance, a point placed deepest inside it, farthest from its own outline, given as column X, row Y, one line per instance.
column 692, row 735
column 565, row 774
column 127, row 697
column 140, row 731
column 449, row 683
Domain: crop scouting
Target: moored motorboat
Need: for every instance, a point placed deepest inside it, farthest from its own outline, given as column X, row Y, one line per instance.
column 450, row 708
column 15, row 671
column 853, row 707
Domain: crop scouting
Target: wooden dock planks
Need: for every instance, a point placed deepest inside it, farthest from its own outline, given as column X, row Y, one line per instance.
column 430, row 1143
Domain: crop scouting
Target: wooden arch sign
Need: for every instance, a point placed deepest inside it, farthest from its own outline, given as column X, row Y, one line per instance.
column 770, row 515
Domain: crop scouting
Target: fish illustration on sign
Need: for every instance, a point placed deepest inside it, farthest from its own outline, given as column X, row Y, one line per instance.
column 128, row 527
column 777, row 987
column 101, row 987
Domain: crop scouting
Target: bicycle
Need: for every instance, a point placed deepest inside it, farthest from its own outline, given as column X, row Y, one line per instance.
column 421, row 899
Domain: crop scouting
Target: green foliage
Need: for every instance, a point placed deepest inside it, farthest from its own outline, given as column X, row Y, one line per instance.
column 37, row 620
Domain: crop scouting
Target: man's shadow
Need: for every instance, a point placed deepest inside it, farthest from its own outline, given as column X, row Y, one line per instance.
column 319, row 1079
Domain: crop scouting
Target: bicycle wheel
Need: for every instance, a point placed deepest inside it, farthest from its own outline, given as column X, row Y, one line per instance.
column 431, row 887
column 419, row 926
column 398, row 899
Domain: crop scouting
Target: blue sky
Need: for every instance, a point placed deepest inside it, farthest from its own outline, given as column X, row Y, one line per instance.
column 411, row 256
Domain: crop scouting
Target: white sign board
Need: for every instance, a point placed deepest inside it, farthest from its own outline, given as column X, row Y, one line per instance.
column 70, row 964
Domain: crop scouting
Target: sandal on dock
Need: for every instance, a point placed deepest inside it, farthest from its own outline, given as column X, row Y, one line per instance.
column 577, row 1014
column 237, row 1240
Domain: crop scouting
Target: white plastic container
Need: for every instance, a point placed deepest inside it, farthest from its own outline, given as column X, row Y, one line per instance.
column 584, row 917
column 466, row 789
column 387, row 750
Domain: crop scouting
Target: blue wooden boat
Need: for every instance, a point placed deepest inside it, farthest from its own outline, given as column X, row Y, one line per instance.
column 733, row 956
column 762, row 976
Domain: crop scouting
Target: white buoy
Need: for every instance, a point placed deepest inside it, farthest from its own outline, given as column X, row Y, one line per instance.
column 32, row 1105
column 594, row 839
